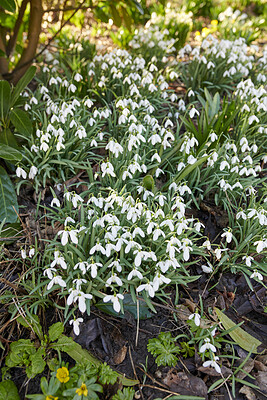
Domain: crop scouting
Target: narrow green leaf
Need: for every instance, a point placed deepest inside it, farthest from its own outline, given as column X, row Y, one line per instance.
column 22, row 83
column 8, row 198
column 8, row 153
column 4, row 99
column 21, row 121
column 241, row 337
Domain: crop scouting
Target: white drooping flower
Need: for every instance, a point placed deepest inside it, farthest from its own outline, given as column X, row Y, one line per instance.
column 76, row 322
column 115, row 299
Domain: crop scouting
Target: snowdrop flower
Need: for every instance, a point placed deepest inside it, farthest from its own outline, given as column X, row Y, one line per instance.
column 253, row 118
column 72, row 88
column 191, row 93
column 56, row 280
column 72, row 234
column 115, row 299
column 134, row 273
column 159, row 280
column 78, row 77
column 241, row 214
column 207, row 346
column 33, row 172
column 196, row 317
column 207, row 268
column 248, row 260
column 207, row 244
column 192, row 112
column 59, row 260
column 148, row 287
column 228, row 236
column 21, row 173
column 55, row 201
column 107, row 168
column 261, row 244
column 113, row 279
column 212, row 363
column 76, row 322
column 256, row 275
column 75, row 295
column 23, row 254
column 98, row 247
column 115, row 148
column 31, row 252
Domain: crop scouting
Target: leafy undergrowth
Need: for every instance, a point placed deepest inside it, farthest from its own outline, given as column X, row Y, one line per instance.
column 142, row 223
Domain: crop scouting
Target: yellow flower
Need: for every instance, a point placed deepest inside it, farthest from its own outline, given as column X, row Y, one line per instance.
column 197, row 33
column 63, row 375
column 214, row 22
column 205, row 32
column 50, row 397
column 82, row 390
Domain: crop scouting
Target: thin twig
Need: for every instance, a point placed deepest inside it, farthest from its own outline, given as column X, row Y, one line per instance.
column 135, row 374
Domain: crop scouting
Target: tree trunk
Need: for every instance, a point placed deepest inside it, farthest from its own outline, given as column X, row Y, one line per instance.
column 29, row 52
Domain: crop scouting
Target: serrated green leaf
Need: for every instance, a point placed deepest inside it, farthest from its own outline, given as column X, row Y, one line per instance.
column 8, row 391
column 55, row 331
column 9, row 153
column 8, row 198
column 4, row 99
column 22, row 83
column 21, row 121
column 37, row 362
column 8, row 5
column 241, row 337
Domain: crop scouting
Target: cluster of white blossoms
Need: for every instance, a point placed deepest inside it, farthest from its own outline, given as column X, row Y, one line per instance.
column 114, row 243
column 126, row 243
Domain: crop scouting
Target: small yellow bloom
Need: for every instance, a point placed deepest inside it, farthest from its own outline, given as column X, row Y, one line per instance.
column 50, row 397
column 63, row 375
column 82, row 390
column 214, row 22
column 197, row 33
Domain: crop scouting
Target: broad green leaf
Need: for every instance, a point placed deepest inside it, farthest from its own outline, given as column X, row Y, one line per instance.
column 37, row 362
column 81, row 356
column 55, row 331
column 115, row 15
column 7, row 137
column 241, row 337
column 10, row 233
column 128, row 305
column 2, row 53
column 8, row 153
column 8, row 5
column 22, row 83
column 4, row 99
column 8, row 391
column 21, row 121
column 8, row 198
